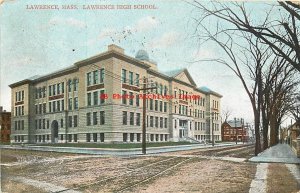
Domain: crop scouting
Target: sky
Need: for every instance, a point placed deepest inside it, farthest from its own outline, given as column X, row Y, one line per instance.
column 37, row 42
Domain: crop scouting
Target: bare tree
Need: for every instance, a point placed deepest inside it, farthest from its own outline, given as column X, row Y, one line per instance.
column 273, row 31
column 226, row 113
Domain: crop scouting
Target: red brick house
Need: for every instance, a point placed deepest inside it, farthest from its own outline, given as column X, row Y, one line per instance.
column 5, row 125
column 229, row 128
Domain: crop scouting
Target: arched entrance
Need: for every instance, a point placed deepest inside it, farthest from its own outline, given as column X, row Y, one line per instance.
column 54, row 131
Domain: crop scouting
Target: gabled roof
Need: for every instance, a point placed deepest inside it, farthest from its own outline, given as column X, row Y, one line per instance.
column 233, row 124
column 174, row 74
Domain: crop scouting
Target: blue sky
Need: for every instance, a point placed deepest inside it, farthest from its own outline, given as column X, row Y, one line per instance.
column 41, row 41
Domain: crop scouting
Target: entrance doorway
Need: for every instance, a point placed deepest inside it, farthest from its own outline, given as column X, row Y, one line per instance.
column 54, row 132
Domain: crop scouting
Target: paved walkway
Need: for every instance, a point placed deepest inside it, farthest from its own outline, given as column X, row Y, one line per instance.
column 280, row 153
column 116, row 152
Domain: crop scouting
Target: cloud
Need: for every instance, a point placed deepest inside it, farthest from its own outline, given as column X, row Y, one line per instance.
column 67, row 21
column 142, row 25
column 202, row 54
column 168, row 39
column 145, row 24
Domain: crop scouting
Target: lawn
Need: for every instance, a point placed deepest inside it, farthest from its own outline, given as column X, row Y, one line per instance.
column 114, row 146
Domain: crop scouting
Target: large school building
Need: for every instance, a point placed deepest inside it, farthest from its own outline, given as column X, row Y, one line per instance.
column 98, row 100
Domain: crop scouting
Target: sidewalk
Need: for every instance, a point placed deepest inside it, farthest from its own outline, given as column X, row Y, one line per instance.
column 116, row 152
column 280, row 153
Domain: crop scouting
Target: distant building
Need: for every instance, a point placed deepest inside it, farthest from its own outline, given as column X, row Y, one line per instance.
column 229, row 129
column 5, row 125
column 294, row 130
column 67, row 105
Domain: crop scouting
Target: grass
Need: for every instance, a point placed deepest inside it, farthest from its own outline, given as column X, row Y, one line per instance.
column 115, row 146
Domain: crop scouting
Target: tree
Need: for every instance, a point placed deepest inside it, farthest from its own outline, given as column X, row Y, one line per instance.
column 226, row 113
column 274, row 32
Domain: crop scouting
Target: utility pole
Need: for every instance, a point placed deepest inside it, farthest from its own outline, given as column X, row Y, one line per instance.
column 212, row 131
column 144, row 114
column 235, row 131
column 242, row 121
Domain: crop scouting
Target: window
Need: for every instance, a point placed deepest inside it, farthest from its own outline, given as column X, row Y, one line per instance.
column 44, row 124
column 131, row 137
column 166, row 123
column 40, row 123
column 95, row 77
column 16, row 125
column 69, row 85
column 54, row 106
column 22, row 95
column 156, row 122
column 58, row 88
column 165, row 106
column 40, row 109
column 124, row 117
column 61, row 123
column 131, row 118
column 124, row 137
column 88, row 119
column 101, row 75
column 76, row 103
column 88, row 137
column 62, row 87
column 75, row 120
column 137, row 79
column 130, row 98
column 75, row 137
column 89, row 99
column 95, row 97
column 161, row 89
column 161, row 122
column 137, row 100
column 76, row 81
column 123, row 76
column 102, row 117
column 95, row 137
column 54, row 90
column 61, row 137
column 70, row 103
column 156, row 105
column 151, row 121
column 89, row 79
column 63, row 105
column 131, row 78
column 58, row 105
column 48, row 124
column 151, row 104
column 124, row 93
column 138, row 137
column 70, row 121
column 138, row 119
column 44, row 108
column 95, row 118
column 50, row 107
column 160, row 106
column 165, row 90
column 102, row 97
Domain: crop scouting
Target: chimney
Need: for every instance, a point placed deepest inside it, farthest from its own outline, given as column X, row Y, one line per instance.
column 1, row 109
column 113, row 47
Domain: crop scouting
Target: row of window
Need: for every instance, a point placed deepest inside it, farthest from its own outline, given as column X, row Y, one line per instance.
column 40, row 92
column 19, row 110
column 19, row 96
column 131, row 118
column 19, row 125
column 199, row 126
column 94, row 98
column 215, row 127
column 131, row 80
column 158, row 122
column 94, row 115
column 215, row 104
column 95, row 77
column 42, row 124
column 56, row 89
column 40, row 108
column 158, row 105
column 160, row 89
column 19, row 138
